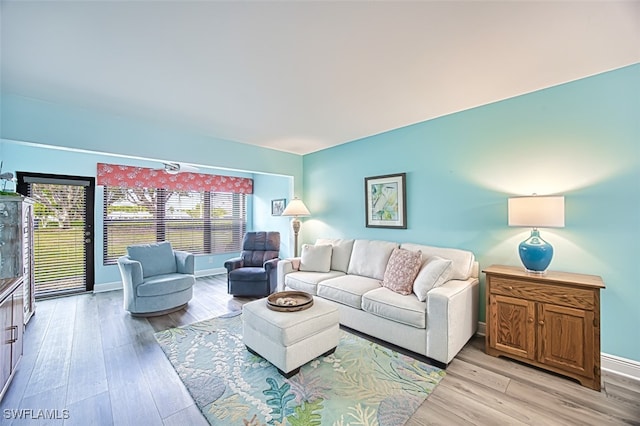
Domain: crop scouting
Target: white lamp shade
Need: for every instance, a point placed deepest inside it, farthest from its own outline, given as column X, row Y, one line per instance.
column 296, row 208
column 537, row 212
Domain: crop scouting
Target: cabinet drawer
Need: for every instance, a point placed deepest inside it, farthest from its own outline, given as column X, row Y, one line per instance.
column 546, row 293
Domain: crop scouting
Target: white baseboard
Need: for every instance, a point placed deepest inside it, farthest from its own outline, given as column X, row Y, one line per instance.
column 482, row 329
column 209, row 272
column 611, row 363
column 101, row 288
column 117, row 285
column 622, row 366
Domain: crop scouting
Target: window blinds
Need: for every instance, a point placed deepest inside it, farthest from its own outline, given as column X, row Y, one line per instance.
column 200, row 222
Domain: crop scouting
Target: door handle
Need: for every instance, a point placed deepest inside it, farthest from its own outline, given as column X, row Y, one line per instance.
column 14, row 338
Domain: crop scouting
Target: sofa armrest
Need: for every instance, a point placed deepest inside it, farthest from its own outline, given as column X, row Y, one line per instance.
column 271, row 267
column 286, row 266
column 234, row 263
column 185, row 262
column 453, row 318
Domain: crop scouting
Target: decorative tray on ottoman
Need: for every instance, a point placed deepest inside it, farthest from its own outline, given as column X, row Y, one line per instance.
column 289, row 301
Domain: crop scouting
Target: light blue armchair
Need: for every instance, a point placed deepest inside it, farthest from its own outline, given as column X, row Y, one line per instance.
column 156, row 279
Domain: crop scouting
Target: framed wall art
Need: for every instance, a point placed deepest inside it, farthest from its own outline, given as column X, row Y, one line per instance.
column 386, row 201
column 277, row 206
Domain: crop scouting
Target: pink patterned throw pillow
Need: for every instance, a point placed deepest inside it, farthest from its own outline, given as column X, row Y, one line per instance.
column 402, row 269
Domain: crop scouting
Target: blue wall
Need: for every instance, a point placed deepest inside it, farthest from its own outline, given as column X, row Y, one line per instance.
column 580, row 139
column 268, row 188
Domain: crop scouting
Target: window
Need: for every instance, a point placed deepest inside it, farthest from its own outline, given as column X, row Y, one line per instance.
column 201, row 222
column 196, row 212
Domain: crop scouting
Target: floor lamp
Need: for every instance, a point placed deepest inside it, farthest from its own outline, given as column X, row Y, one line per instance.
column 296, row 208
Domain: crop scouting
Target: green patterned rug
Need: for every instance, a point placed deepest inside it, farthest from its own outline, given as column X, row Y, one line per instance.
column 362, row 383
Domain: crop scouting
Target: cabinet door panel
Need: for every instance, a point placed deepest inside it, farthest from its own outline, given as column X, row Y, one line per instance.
column 512, row 326
column 5, row 340
column 566, row 338
column 18, row 324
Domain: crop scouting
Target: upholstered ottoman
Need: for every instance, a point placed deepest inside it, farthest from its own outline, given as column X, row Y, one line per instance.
column 289, row 340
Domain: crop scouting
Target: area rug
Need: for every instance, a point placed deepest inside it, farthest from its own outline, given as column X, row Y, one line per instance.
column 361, row 383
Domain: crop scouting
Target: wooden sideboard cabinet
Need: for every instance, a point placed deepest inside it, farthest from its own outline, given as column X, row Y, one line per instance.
column 551, row 321
column 11, row 329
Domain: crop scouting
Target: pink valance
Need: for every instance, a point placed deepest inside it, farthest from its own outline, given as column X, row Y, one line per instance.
column 141, row 177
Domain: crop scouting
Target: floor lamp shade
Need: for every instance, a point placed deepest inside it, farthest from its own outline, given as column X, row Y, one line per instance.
column 296, row 208
column 536, row 212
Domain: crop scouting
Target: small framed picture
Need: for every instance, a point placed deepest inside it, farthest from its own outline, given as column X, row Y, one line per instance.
column 277, row 206
column 386, row 201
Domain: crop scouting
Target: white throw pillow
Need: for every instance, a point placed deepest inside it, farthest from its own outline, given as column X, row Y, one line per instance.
column 435, row 272
column 315, row 258
column 461, row 260
column 340, row 254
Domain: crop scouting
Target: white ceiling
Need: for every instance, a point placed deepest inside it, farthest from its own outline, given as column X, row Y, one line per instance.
column 301, row 76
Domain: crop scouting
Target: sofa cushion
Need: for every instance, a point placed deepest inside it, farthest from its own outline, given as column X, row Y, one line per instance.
column 156, row 258
column 341, row 253
column 387, row 304
column 370, row 258
column 462, row 260
column 402, row 268
column 308, row 281
column 315, row 258
column 435, row 272
column 165, row 284
column 347, row 289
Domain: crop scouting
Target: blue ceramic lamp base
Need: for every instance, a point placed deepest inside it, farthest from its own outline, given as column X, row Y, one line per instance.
column 535, row 253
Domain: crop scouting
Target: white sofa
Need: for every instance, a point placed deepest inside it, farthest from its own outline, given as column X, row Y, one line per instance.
column 352, row 279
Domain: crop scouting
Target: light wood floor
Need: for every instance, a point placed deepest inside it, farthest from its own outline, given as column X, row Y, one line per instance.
column 85, row 355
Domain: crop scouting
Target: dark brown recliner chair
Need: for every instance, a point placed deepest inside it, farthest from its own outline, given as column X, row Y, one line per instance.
column 255, row 272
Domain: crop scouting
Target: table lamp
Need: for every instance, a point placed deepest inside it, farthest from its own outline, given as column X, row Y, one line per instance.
column 536, row 212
